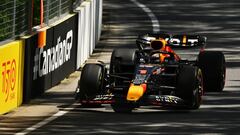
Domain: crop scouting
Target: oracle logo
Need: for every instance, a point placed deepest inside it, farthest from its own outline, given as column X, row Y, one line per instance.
column 9, row 75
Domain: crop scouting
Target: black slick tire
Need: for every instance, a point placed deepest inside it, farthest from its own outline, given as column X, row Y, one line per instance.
column 122, row 64
column 122, row 107
column 213, row 67
column 90, row 82
column 189, row 86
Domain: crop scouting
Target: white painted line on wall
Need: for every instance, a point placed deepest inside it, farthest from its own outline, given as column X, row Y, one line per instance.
column 155, row 22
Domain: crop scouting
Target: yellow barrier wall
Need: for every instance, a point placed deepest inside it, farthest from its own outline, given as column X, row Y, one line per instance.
column 11, row 75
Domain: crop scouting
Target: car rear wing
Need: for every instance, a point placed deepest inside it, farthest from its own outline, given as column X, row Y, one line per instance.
column 178, row 40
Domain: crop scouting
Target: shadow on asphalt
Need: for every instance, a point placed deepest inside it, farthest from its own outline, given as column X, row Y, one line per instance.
column 218, row 115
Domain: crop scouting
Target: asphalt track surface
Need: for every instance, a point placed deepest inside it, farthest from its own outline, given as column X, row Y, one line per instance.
column 123, row 20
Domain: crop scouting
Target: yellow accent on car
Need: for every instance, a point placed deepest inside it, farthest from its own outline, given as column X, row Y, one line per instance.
column 135, row 92
column 184, row 40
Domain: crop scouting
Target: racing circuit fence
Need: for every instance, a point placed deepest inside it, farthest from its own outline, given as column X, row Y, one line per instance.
column 18, row 17
column 12, row 18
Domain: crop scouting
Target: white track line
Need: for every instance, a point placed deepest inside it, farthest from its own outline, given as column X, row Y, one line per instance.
column 220, row 106
column 45, row 121
column 155, row 22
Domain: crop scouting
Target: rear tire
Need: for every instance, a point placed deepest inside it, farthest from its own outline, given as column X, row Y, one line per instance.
column 122, row 64
column 213, row 67
column 122, row 60
column 189, row 86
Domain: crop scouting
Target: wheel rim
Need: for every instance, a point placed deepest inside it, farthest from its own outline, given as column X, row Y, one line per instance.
column 198, row 92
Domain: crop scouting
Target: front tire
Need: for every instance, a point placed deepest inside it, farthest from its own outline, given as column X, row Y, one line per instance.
column 91, row 82
column 189, row 86
column 122, row 107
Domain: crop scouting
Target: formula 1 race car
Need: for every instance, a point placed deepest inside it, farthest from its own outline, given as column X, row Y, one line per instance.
column 153, row 75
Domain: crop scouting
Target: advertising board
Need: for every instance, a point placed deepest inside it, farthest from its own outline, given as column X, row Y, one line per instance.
column 11, row 69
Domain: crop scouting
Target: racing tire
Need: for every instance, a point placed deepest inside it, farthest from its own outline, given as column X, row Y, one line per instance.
column 122, row 107
column 213, row 67
column 90, row 83
column 189, row 86
column 122, row 62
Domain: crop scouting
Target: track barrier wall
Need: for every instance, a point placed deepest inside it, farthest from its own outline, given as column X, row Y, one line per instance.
column 28, row 70
column 49, row 65
column 11, row 77
column 68, row 45
column 36, row 76
column 89, row 29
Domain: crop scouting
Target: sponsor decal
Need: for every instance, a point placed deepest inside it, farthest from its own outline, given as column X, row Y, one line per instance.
column 46, row 61
column 9, row 75
column 177, row 41
column 167, row 99
column 103, row 97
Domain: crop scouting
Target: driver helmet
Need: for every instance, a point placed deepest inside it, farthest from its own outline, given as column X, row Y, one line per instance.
column 158, row 44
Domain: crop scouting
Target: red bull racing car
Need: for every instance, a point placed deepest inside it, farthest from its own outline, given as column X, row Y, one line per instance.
column 153, row 74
